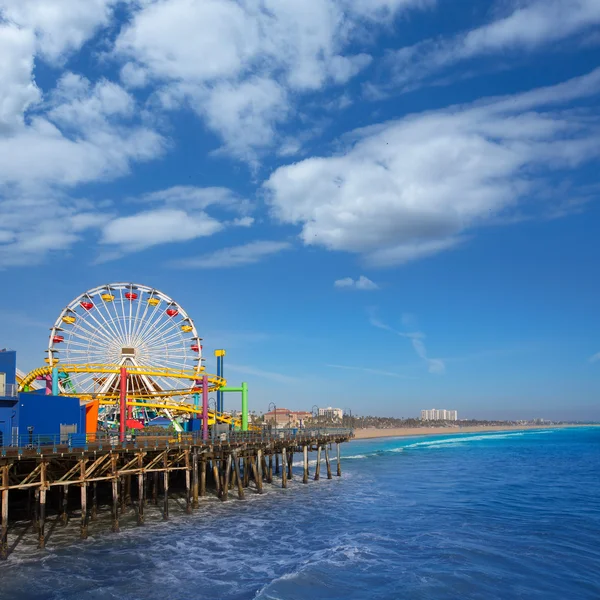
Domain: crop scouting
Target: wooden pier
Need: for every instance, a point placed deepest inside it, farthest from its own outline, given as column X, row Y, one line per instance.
column 135, row 472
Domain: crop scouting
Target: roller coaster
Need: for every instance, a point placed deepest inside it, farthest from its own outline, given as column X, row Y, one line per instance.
column 137, row 330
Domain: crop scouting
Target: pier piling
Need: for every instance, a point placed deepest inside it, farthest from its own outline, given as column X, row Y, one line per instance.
column 104, row 468
column 339, row 462
column 284, row 467
column 327, row 463
column 305, row 457
column 318, row 467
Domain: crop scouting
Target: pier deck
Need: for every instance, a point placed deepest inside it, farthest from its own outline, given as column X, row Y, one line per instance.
column 39, row 472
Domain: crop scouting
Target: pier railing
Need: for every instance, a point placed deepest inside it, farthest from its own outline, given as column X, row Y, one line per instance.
column 81, row 442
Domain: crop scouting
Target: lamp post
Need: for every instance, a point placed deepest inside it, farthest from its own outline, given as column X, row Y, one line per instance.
column 274, row 410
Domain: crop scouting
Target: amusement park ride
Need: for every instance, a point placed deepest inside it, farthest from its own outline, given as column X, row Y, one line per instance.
column 132, row 354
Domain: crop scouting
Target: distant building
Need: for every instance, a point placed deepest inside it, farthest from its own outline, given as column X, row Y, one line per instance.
column 284, row 417
column 331, row 413
column 439, row 414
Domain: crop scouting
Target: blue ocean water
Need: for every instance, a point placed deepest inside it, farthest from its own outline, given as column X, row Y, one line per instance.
column 501, row 515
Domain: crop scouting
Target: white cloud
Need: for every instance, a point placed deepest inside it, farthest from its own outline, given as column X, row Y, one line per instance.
column 17, row 88
column 160, row 226
column 414, row 187
column 595, row 358
column 193, row 198
column 177, row 214
column 235, row 256
column 61, row 26
column 239, row 64
column 531, row 25
column 88, row 132
column 362, row 283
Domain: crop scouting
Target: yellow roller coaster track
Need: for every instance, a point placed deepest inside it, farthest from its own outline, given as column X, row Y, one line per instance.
column 215, row 382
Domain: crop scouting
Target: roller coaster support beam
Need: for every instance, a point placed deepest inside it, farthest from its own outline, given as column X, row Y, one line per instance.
column 220, row 354
column 244, row 390
column 55, row 381
column 205, row 408
column 123, row 403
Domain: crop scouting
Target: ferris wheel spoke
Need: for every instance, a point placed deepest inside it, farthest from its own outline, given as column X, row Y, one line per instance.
column 157, row 325
column 141, row 320
column 103, row 328
column 118, row 317
column 158, row 322
column 111, row 321
column 151, row 318
column 165, row 329
column 83, row 324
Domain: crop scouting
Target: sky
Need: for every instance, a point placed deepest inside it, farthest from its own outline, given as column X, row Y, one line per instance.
column 381, row 205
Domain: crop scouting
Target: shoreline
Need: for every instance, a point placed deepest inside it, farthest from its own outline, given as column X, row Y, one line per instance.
column 366, row 434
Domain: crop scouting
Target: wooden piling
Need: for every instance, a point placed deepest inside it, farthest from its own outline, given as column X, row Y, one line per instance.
column 122, row 493
column 284, row 467
column 246, row 472
column 83, row 530
column 202, row 477
column 327, row 463
column 270, row 471
column 305, row 457
column 255, row 474
column 259, row 471
column 141, row 489
column 318, row 467
column 94, row 513
column 166, row 488
column 155, row 488
column 195, row 503
column 64, row 517
column 339, row 462
column 42, row 518
column 276, row 463
column 188, row 474
column 115, row 494
column 240, row 481
column 4, row 534
column 225, row 486
column 35, row 524
column 216, row 477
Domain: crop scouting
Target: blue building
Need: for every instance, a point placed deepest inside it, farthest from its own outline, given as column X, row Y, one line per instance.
column 26, row 417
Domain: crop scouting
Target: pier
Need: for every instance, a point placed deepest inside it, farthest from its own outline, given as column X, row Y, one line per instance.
column 39, row 472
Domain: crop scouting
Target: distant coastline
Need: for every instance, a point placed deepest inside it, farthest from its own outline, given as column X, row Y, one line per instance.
column 372, row 432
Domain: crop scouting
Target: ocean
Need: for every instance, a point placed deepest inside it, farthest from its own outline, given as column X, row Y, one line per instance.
column 482, row 516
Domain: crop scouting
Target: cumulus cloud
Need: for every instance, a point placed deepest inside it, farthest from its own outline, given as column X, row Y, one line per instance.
column 234, row 256
column 362, row 283
column 61, row 26
column 416, row 186
column 175, row 214
column 87, row 132
column 532, row 25
column 262, row 54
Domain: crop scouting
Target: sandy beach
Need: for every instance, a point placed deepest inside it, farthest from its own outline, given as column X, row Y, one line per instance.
column 418, row 431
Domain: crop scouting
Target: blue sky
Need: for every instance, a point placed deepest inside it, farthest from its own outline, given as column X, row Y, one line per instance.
column 384, row 205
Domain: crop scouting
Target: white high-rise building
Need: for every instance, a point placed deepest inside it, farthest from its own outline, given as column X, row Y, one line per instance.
column 439, row 414
column 331, row 413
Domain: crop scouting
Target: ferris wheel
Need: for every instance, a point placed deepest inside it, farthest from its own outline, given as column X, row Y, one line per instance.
column 128, row 325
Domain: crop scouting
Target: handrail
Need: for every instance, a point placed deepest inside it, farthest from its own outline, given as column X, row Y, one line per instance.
column 76, row 442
